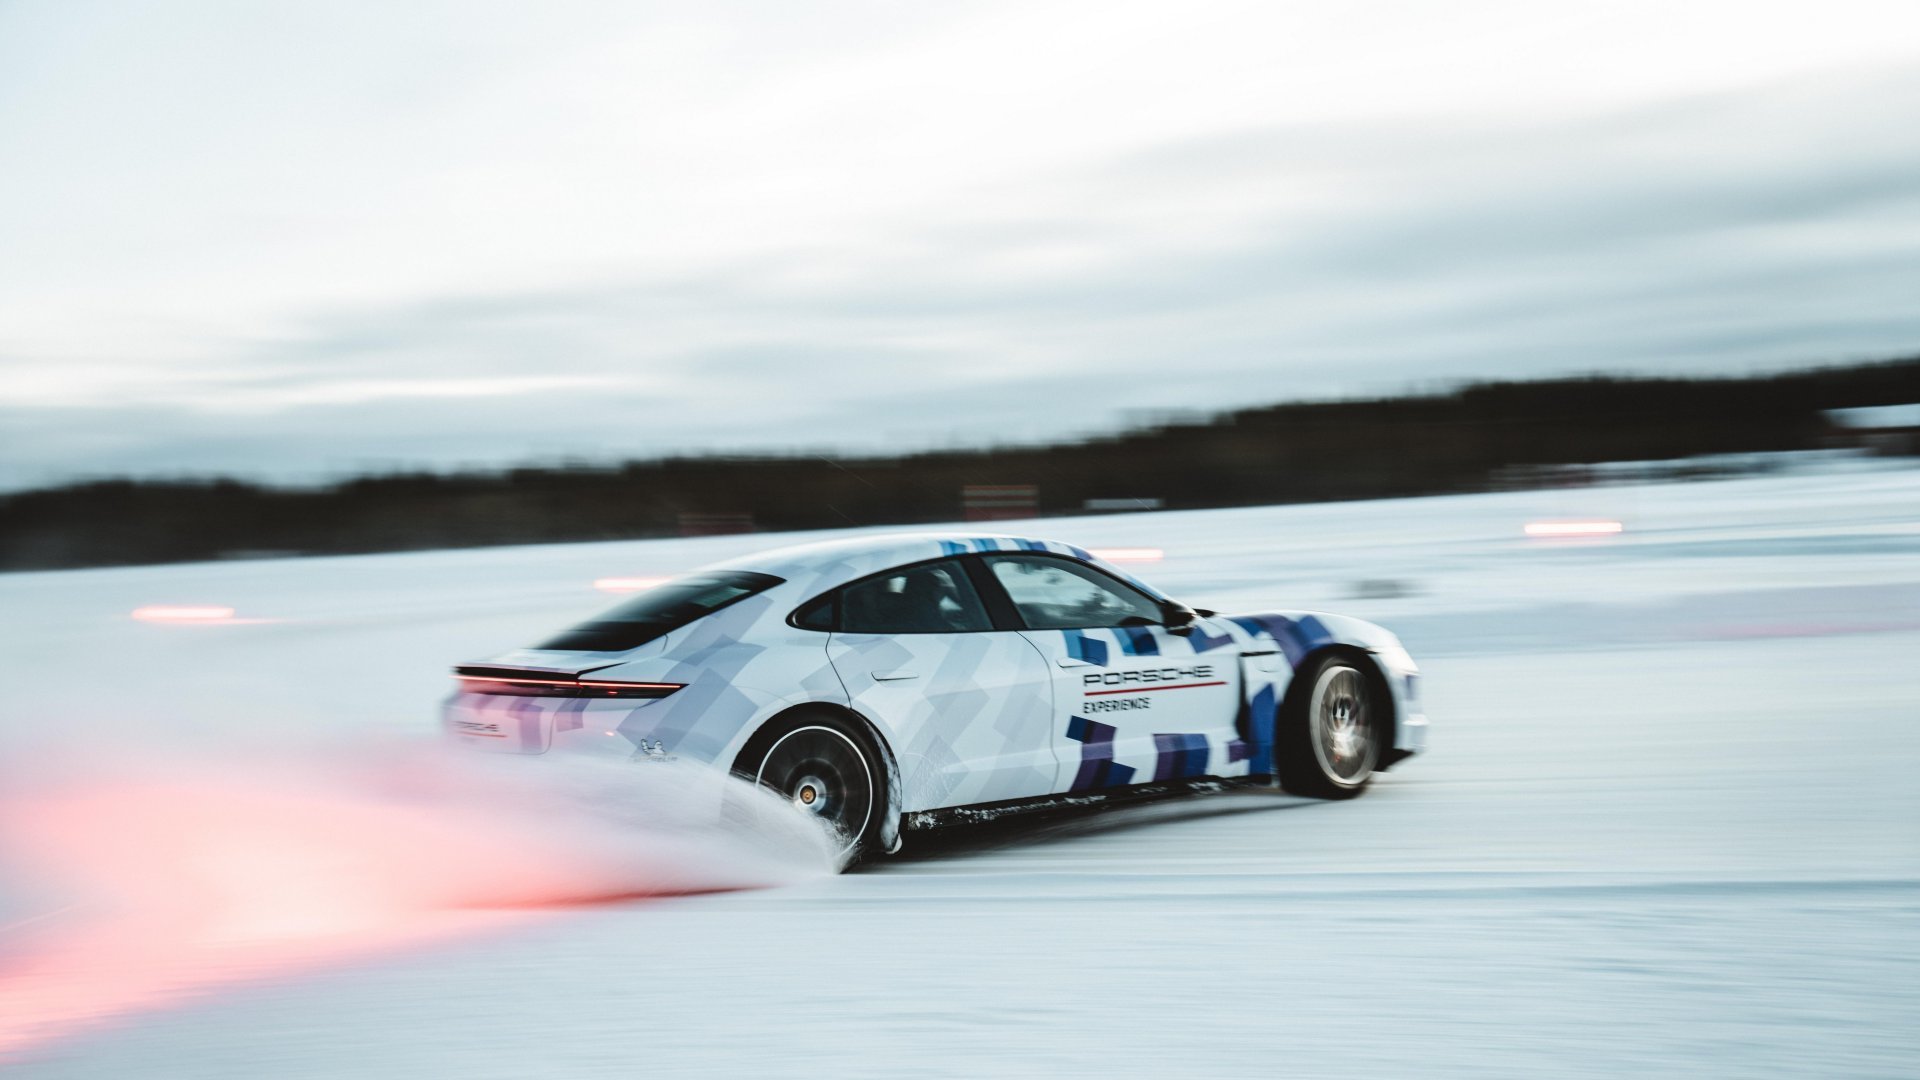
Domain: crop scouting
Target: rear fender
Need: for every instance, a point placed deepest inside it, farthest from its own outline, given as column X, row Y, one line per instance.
column 754, row 742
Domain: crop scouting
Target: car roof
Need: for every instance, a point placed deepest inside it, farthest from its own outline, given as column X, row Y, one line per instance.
column 826, row 564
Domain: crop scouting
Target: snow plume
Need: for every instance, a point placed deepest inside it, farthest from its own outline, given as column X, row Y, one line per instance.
column 133, row 882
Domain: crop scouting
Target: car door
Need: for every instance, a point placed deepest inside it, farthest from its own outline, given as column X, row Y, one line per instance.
column 1134, row 701
column 968, row 707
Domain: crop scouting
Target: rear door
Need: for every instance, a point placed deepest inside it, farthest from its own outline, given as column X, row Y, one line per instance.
column 969, row 707
column 1134, row 702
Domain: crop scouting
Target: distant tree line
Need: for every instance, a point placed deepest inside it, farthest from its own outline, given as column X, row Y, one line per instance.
column 1443, row 442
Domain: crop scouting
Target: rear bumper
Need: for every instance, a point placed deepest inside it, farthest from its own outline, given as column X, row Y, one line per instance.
column 504, row 724
column 500, row 724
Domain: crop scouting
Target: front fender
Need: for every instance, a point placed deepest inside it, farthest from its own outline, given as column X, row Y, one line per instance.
column 1299, row 635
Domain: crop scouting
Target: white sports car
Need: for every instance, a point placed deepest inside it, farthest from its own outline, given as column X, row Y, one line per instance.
column 903, row 682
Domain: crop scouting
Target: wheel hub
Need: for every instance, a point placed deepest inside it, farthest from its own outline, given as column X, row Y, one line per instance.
column 810, row 794
column 1344, row 740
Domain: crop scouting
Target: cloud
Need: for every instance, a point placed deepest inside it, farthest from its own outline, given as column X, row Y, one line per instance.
column 627, row 235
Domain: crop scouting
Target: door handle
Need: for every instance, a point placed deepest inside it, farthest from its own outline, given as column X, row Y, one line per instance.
column 1072, row 661
column 893, row 676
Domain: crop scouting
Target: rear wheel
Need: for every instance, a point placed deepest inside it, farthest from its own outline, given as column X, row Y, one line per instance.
column 825, row 771
column 1328, row 737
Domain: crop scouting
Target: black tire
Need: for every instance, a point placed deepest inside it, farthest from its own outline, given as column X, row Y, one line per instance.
column 1329, row 736
column 827, row 768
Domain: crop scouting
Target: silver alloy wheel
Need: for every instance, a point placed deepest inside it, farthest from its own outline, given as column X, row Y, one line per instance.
column 801, row 766
column 1341, row 718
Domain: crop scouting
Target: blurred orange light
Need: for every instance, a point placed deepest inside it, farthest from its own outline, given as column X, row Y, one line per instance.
column 628, row 584
column 1129, row 554
column 194, row 613
column 1596, row 527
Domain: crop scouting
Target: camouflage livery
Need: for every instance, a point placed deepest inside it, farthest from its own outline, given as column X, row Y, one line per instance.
column 962, row 718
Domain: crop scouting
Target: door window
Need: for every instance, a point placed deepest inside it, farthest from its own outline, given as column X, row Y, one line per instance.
column 1060, row 594
column 932, row 598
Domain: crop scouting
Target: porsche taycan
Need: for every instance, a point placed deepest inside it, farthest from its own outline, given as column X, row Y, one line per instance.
column 895, row 683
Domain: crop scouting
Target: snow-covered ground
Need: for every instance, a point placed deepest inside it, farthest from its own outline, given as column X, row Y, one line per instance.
column 1669, row 826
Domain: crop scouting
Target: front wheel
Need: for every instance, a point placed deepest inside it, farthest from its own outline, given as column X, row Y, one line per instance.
column 1328, row 737
column 826, row 772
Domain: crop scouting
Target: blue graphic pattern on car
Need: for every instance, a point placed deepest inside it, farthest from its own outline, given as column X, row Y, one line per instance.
column 1179, row 756
column 1097, row 767
column 1081, row 646
column 1296, row 638
column 1262, row 711
column 1137, row 641
column 1203, row 641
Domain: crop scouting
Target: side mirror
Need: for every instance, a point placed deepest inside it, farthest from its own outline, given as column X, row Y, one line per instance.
column 1178, row 617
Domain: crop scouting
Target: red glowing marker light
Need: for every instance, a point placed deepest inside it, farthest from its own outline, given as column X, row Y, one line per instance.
column 628, row 584
column 183, row 613
column 1594, row 527
column 1128, row 554
column 474, row 679
column 631, row 689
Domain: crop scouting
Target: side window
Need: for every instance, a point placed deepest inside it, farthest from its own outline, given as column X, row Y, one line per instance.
column 1060, row 594
column 817, row 615
column 933, row 598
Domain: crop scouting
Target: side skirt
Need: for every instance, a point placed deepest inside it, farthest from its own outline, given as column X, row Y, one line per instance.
column 980, row 813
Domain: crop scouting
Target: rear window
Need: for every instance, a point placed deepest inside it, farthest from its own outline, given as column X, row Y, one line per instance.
column 660, row 610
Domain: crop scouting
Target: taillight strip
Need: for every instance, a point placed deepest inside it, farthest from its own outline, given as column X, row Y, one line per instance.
column 488, row 680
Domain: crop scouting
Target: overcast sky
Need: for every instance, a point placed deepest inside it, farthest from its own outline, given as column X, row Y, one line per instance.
column 290, row 240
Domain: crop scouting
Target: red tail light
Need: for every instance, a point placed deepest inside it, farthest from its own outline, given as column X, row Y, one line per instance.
column 518, row 682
